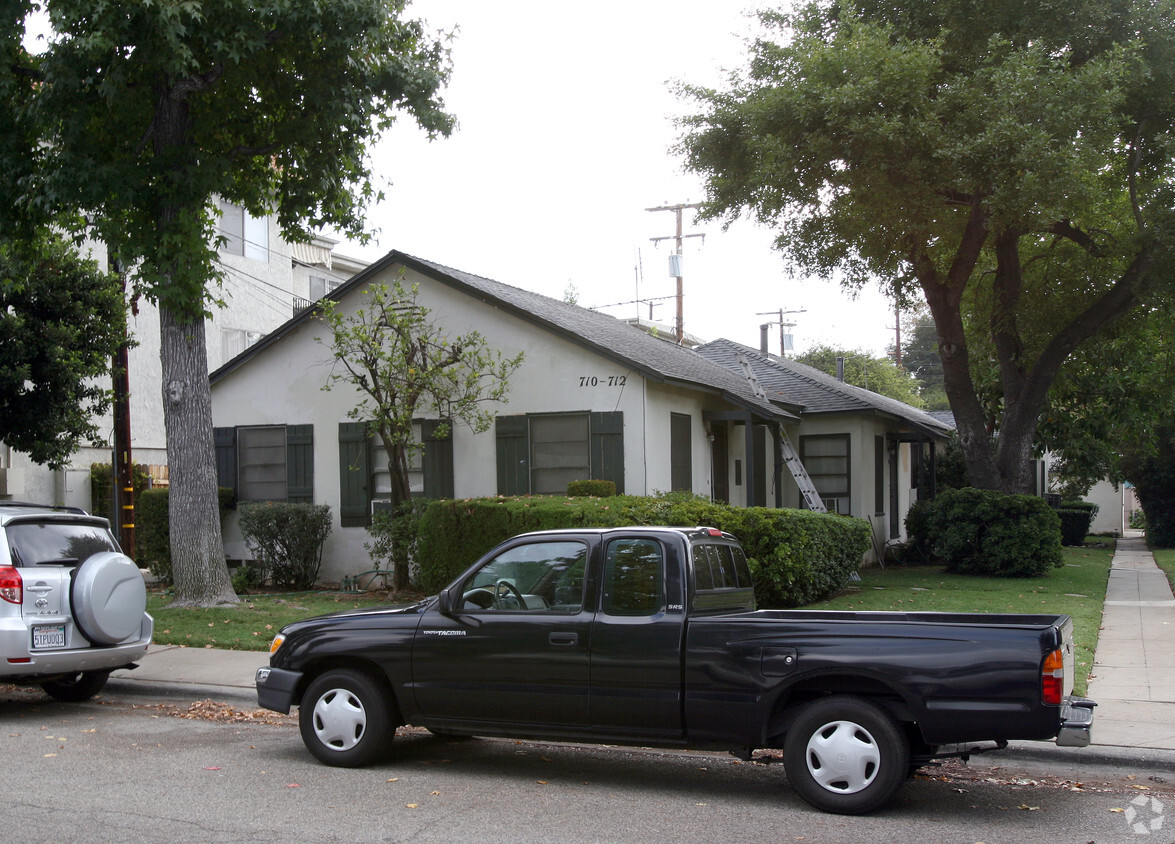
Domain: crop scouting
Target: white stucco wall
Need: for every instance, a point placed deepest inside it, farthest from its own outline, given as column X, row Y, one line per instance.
column 1112, row 515
column 283, row 386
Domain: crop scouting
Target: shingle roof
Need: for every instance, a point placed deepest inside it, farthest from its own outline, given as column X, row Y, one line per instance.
column 603, row 334
column 819, row 393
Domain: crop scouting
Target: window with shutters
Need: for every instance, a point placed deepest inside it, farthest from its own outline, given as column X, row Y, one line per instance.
column 540, row 454
column 364, row 478
column 266, row 462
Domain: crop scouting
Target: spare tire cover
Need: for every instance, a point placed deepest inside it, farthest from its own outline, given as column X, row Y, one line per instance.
column 109, row 597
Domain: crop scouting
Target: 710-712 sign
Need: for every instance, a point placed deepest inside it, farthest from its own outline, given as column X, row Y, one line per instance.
column 606, row 381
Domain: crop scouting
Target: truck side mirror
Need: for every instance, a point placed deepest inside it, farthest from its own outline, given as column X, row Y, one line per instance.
column 445, row 603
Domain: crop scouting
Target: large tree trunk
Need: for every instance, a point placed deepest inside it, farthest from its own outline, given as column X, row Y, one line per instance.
column 197, row 549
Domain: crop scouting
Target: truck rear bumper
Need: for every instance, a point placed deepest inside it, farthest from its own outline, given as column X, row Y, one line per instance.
column 1076, row 722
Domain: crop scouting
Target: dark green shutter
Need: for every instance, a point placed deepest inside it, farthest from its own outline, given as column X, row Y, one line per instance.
column 437, row 460
column 354, row 475
column 225, row 441
column 513, row 447
column 300, row 464
column 681, row 456
column 607, row 447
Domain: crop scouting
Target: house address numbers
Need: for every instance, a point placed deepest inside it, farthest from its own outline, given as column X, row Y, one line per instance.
column 602, row 381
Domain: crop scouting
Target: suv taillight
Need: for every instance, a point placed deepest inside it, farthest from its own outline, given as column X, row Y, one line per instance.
column 11, row 585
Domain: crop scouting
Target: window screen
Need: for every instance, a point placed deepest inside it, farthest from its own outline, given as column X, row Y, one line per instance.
column 559, row 452
column 261, row 464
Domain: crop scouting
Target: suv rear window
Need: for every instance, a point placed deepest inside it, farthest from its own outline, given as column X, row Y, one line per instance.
column 59, row 543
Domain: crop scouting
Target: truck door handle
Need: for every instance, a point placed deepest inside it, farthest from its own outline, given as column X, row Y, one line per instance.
column 563, row 638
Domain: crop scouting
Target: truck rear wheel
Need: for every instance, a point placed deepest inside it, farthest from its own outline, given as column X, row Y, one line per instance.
column 345, row 719
column 846, row 754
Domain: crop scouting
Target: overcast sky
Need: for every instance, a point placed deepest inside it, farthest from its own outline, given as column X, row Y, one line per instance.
column 565, row 122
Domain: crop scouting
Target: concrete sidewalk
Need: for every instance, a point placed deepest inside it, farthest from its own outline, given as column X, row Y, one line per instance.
column 1133, row 679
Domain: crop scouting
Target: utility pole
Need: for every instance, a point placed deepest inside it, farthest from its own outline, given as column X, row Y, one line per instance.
column 124, row 489
column 675, row 265
column 897, row 320
column 782, row 325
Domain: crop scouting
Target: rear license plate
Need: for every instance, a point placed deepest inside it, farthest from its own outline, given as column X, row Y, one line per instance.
column 49, row 636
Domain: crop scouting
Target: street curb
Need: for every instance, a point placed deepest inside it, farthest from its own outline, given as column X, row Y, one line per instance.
column 1148, row 758
column 154, row 689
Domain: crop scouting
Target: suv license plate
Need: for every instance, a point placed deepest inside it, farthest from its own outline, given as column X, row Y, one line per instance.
column 49, row 636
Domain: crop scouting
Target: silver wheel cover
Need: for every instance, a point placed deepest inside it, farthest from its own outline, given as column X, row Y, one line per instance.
column 843, row 757
column 339, row 719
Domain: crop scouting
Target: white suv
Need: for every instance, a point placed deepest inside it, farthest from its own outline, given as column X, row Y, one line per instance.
column 72, row 605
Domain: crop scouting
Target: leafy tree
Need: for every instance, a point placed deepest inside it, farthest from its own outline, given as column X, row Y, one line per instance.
column 1115, row 396
column 404, row 366
column 1150, row 464
column 1015, row 164
column 147, row 111
column 881, row 375
column 61, row 321
column 920, row 358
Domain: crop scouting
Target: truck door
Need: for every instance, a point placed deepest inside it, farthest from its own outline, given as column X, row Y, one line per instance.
column 516, row 648
column 637, row 640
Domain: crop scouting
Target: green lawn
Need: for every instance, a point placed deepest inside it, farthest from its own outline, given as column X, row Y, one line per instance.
column 1077, row 590
column 249, row 626
column 1165, row 557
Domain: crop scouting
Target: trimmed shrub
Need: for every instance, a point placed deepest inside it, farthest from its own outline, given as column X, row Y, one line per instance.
column 796, row 556
column 919, row 519
column 286, row 539
column 982, row 532
column 591, row 489
column 152, row 533
column 1076, row 517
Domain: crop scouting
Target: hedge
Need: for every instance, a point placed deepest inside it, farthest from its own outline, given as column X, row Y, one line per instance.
column 1076, row 517
column 797, row 556
column 152, row 533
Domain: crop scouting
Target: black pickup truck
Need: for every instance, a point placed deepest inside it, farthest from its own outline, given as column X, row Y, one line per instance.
column 650, row 636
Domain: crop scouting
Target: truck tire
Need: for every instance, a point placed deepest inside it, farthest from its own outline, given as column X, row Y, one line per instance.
column 345, row 719
column 846, row 754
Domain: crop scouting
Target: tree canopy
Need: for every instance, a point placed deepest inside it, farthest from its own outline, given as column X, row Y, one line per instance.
column 61, row 320
column 1016, row 165
column 145, row 112
column 881, row 375
column 404, row 366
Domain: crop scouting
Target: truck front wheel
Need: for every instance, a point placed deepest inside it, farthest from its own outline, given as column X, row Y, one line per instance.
column 345, row 718
column 845, row 754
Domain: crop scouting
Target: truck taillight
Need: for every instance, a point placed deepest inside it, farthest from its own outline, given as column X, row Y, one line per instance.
column 11, row 585
column 1052, row 678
